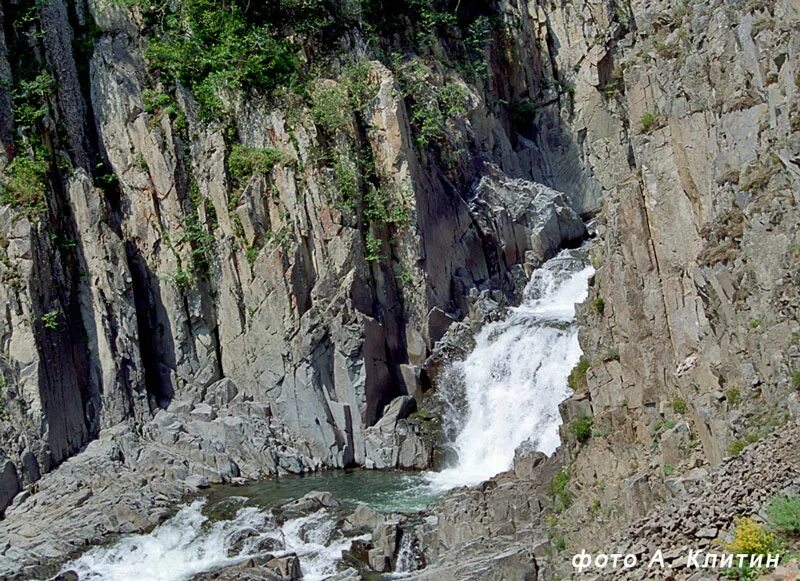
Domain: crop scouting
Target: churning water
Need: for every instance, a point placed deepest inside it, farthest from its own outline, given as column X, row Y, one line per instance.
column 190, row 543
column 514, row 379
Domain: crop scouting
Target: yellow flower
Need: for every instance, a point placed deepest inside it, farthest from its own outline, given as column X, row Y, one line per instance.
column 751, row 539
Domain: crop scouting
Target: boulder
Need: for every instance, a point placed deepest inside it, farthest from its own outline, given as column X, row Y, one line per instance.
column 378, row 561
column 287, row 567
column 307, row 504
column 9, row 484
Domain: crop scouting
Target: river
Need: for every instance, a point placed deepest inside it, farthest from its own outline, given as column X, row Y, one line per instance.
column 504, row 395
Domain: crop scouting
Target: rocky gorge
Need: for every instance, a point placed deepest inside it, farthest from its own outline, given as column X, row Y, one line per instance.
column 243, row 241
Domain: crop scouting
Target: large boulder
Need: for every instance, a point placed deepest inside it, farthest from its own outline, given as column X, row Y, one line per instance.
column 307, row 504
column 395, row 441
column 530, row 220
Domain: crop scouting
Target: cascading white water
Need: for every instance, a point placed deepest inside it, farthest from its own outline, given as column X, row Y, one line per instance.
column 407, row 557
column 189, row 543
column 515, row 378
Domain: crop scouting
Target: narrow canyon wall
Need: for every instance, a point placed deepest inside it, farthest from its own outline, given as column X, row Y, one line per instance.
column 691, row 328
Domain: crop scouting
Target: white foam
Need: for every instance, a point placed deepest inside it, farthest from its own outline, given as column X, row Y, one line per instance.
column 189, row 543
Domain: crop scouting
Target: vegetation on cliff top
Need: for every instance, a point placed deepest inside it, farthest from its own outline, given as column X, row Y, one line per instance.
column 287, row 51
column 213, row 48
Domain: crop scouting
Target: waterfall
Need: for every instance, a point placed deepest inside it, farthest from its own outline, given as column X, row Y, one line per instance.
column 511, row 384
column 408, row 556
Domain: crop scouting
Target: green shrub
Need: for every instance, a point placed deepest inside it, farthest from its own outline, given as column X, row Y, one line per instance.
column 750, row 538
column 154, row 101
column 523, row 114
column 679, row 405
column 252, row 254
column 423, row 415
column 452, row 98
column 201, row 242
column 649, row 121
column 244, row 162
column 361, row 87
column 610, row 89
column 557, row 488
column 783, row 515
column 662, row 425
column 582, row 429
column 577, row 377
column 211, row 46
column 346, row 175
column 558, row 542
column 50, row 319
column 30, row 97
column 733, row 395
column 796, row 378
column 597, row 306
column 476, row 64
column 431, row 106
column 735, row 448
column 372, row 251
column 183, row 280
column 330, row 106
column 612, row 354
column 159, row 103
column 23, row 185
column 428, row 120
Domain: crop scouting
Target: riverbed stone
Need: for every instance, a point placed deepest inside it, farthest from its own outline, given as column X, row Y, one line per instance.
column 307, row 504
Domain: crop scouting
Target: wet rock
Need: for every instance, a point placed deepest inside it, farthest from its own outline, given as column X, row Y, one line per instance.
column 395, row 442
column 287, row 567
column 196, row 481
column 363, row 519
column 66, row 576
column 378, row 561
column 311, row 502
column 358, row 553
column 9, row 483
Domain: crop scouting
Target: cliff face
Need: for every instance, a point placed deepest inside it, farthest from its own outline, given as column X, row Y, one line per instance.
column 691, row 327
column 302, row 252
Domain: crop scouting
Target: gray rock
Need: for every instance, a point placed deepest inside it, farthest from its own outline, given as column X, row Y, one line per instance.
column 9, row 483
column 307, row 504
column 395, row 442
column 287, row 567
column 196, row 481
column 378, row 561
